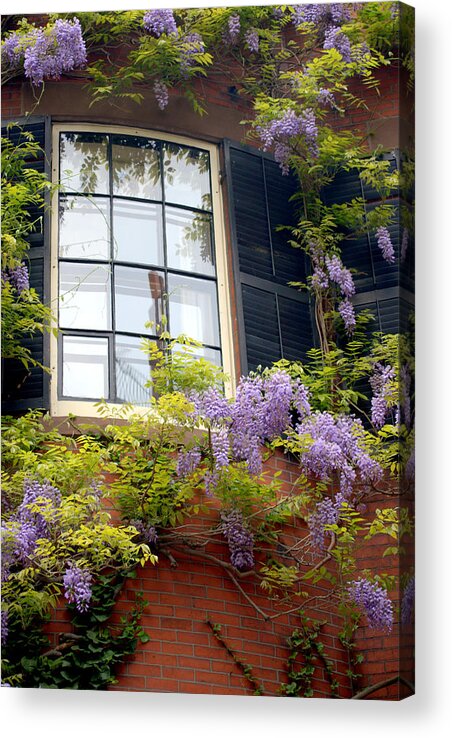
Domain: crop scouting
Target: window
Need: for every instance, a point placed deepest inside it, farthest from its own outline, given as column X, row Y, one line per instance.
column 137, row 235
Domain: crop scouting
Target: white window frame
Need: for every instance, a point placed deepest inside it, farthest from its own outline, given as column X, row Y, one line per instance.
column 87, row 408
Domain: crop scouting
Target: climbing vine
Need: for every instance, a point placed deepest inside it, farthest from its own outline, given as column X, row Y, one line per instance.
column 345, row 414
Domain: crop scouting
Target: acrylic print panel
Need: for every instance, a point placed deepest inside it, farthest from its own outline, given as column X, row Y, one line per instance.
column 224, row 182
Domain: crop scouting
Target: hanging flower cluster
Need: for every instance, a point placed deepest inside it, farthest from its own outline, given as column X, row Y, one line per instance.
column 279, row 132
column 193, row 45
column 77, row 587
column 329, row 18
column 34, row 516
column 240, row 539
column 326, row 513
column 382, row 383
column 327, row 269
column 232, row 33
column 160, row 21
column 384, row 243
column 161, row 94
column 252, row 40
column 374, row 601
column 407, row 606
column 17, row 277
column 46, row 53
column 337, row 448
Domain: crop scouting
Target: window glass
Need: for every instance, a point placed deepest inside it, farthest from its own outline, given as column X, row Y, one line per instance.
column 84, row 163
column 136, row 244
column 132, row 371
column 84, row 296
column 136, row 167
column 85, row 366
column 189, row 241
column 84, row 226
column 137, row 232
column 139, row 298
column 187, row 177
column 193, row 308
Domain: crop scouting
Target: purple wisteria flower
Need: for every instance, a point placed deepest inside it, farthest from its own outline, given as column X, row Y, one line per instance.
column 210, row 404
column 160, row 21
column 308, row 14
column 232, row 32
column 148, row 531
column 194, row 45
column 34, row 517
column 335, row 39
column 383, row 399
column 326, row 97
column 337, row 447
column 347, row 313
column 18, row 277
column 384, row 243
column 252, row 40
column 407, row 606
column 77, row 587
column 210, row 482
column 340, row 274
column 340, row 12
column 161, row 94
column 187, row 462
column 48, row 52
column 240, row 539
column 374, row 601
column 278, row 132
column 220, row 447
column 325, row 513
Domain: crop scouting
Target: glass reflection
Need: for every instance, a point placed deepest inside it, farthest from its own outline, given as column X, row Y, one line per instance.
column 189, row 241
column 84, row 300
column 137, row 232
column 193, row 308
column 136, row 167
column 139, row 298
column 85, row 367
column 132, row 371
column 84, row 227
column 187, row 180
column 84, row 163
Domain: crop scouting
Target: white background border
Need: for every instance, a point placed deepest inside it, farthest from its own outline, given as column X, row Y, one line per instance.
column 111, row 714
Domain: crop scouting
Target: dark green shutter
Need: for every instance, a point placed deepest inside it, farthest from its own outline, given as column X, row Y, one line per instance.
column 29, row 388
column 274, row 320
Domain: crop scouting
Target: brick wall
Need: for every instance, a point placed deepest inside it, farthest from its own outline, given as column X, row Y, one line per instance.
column 187, row 594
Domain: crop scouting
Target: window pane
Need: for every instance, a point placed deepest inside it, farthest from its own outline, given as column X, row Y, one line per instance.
column 85, row 367
column 132, row 371
column 189, row 241
column 187, row 180
column 84, row 296
column 136, row 167
column 84, row 227
column 137, row 232
column 193, row 308
column 139, row 298
column 84, row 163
